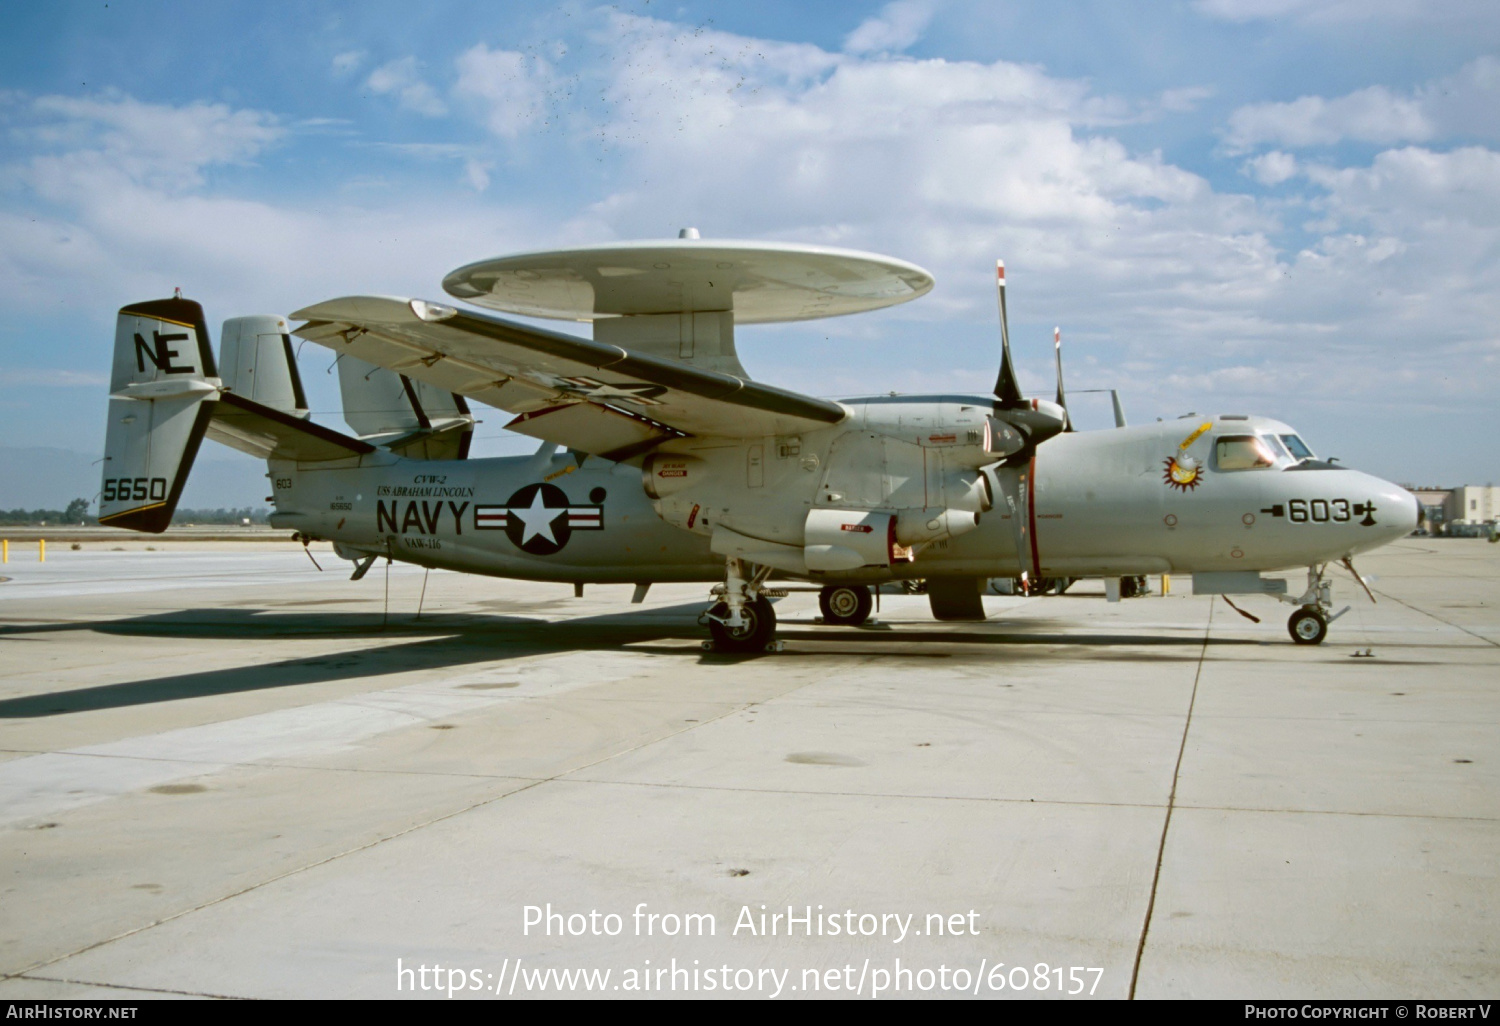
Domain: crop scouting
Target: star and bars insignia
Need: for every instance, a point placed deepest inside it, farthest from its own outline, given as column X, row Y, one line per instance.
column 539, row 518
column 640, row 394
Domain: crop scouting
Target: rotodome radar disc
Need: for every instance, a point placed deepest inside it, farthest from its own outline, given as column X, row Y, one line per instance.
column 761, row 282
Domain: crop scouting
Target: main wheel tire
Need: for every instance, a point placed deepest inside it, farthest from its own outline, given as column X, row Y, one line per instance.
column 1308, row 626
column 846, row 605
column 758, row 630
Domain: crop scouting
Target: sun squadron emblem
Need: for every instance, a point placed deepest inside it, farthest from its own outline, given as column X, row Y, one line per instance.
column 1185, row 472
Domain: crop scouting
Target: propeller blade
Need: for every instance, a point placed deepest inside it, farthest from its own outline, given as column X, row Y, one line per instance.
column 1007, row 388
column 1062, row 399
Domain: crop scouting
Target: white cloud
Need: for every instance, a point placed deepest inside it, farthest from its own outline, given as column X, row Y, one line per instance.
column 946, row 162
column 477, row 174
column 897, row 26
column 1374, row 114
column 953, row 163
column 1464, row 104
column 150, row 143
column 1416, row 190
column 400, row 77
column 509, row 88
column 1185, row 99
column 134, row 212
column 1335, row 12
column 1272, row 168
column 348, row 62
column 1164, row 286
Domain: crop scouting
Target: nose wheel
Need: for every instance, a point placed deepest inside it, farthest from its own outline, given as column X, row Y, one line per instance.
column 845, row 605
column 1308, row 626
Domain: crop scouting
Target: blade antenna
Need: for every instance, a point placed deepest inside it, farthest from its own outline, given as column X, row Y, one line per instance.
column 1062, row 399
column 1007, row 388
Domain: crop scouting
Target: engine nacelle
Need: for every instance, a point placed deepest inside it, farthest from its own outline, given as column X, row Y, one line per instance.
column 920, row 526
column 845, row 539
column 667, row 473
column 970, row 492
column 972, row 440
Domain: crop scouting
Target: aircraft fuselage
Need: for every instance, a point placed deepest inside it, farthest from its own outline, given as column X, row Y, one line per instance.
column 1159, row 498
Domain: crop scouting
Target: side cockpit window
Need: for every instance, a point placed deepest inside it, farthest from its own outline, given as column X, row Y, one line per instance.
column 1242, row 452
column 1297, row 447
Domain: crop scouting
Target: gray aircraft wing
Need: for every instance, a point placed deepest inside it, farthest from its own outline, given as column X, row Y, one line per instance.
column 587, row 395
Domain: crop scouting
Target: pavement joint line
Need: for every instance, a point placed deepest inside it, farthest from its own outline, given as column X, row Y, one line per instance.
column 1161, row 850
column 124, row 986
column 1340, row 812
column 596, row 781
column 565, row 779
column 1439, row 619
column 358, row 848
column 1338, row 718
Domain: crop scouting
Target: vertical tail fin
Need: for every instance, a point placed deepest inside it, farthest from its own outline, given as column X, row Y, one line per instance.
column 162, row 389
column 256, row 354
column 413, row 418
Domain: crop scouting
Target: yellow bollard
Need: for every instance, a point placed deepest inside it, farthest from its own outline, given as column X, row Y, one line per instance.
column 5, row 551
column 41, row 550
column 1166, row 584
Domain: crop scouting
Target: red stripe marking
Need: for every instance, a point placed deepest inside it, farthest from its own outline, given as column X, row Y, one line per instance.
column 1036, row 559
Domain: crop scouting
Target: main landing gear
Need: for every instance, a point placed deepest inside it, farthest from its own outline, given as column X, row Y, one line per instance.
column 847, row 605
column 743, row 619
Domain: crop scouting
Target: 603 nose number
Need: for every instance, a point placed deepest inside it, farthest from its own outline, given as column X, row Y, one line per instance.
column 1323, row 511
column 1300, row 511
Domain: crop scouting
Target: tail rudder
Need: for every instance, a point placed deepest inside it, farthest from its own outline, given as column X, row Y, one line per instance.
column 162, row 388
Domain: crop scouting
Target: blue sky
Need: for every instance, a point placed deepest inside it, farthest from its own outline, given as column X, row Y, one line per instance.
column 1288, row 207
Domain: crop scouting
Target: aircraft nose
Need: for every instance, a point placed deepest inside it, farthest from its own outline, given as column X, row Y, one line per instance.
column 1411, row 512
column 1402, row 510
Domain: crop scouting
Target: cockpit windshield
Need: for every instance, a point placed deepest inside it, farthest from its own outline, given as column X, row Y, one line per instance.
column 1297, row 448
column 1243, row 452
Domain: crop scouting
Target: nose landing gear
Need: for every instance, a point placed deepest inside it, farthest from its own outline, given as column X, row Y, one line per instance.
column 1309, row 624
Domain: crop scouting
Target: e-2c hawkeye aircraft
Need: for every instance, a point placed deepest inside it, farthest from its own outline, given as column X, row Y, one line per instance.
column 664, row 461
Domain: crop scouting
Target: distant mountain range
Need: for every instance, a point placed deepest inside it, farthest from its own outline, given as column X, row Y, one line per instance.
column 43, row 478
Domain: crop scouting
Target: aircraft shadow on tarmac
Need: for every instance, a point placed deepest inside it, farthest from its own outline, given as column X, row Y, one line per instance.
column 456, row 640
